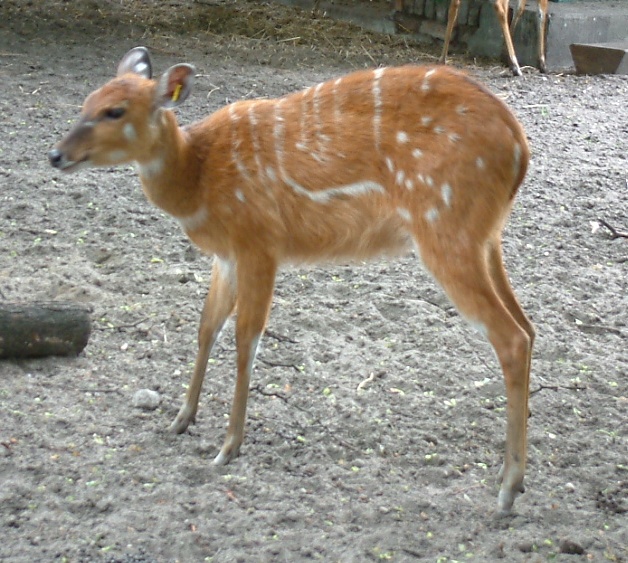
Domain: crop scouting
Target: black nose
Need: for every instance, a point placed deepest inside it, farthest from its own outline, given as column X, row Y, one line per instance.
column 55, row 156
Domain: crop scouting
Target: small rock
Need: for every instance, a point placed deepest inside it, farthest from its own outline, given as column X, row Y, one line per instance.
column 146, row 399
column 570, row 547
column 526, row 547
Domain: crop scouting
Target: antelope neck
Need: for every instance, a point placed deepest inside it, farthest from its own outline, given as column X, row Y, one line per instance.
column 169, row 173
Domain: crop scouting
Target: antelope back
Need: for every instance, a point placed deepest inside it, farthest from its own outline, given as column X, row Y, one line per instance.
column 359, row 165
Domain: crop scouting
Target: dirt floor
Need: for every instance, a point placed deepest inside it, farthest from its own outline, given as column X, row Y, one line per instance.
column 403, row 469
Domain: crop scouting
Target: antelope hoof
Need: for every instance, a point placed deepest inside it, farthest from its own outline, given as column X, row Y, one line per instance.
column 516, row 70
column 543, row 66
column 229, row 451
column 182, row 421
column 505, row 500
column 508, row 493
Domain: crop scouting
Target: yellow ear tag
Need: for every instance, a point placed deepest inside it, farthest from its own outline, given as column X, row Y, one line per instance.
column 176, row 93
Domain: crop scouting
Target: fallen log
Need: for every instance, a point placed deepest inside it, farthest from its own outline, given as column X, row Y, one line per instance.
column 44, row 328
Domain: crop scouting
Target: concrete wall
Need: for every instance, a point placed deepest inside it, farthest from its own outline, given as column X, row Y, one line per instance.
column 478, row 32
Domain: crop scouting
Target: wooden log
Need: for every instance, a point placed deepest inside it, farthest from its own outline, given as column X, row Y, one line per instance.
column 600, row 58
column 48, row 328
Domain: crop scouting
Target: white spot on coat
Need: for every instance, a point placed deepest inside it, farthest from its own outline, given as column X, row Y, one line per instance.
column 270, row 173
column 404, row 214
column 417, row 153
column 431, row 214
column 426, row 120
column 240, row 195
column 402, row 137
column 446, row 193
column 479, row 162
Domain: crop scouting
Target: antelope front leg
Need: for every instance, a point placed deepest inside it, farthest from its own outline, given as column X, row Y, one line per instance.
column 256, row 280
column 218, row 306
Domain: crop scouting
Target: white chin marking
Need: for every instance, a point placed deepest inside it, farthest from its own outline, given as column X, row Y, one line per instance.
column 118, row 156
column 76, row 166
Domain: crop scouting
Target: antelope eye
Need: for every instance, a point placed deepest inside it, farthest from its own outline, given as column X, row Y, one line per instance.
column 114, row 113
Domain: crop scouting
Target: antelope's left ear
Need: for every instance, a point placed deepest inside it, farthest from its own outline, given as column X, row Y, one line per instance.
column 137, row 61
column 174, row 86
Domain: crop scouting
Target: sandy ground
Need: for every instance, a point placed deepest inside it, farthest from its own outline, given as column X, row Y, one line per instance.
column 403, row 469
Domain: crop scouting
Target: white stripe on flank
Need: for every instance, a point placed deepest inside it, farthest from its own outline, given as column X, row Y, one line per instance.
column 425, row 86
column 278, row 137
column 235, row 145
column 337, row 114
column 255, row 139
column 377, row 106
column 321, row 139
column 303, row 122
column 319, row 196
column 323, row 196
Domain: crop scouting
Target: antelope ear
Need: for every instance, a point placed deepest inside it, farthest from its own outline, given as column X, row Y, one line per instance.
column 137, row 61
column 174, row 86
